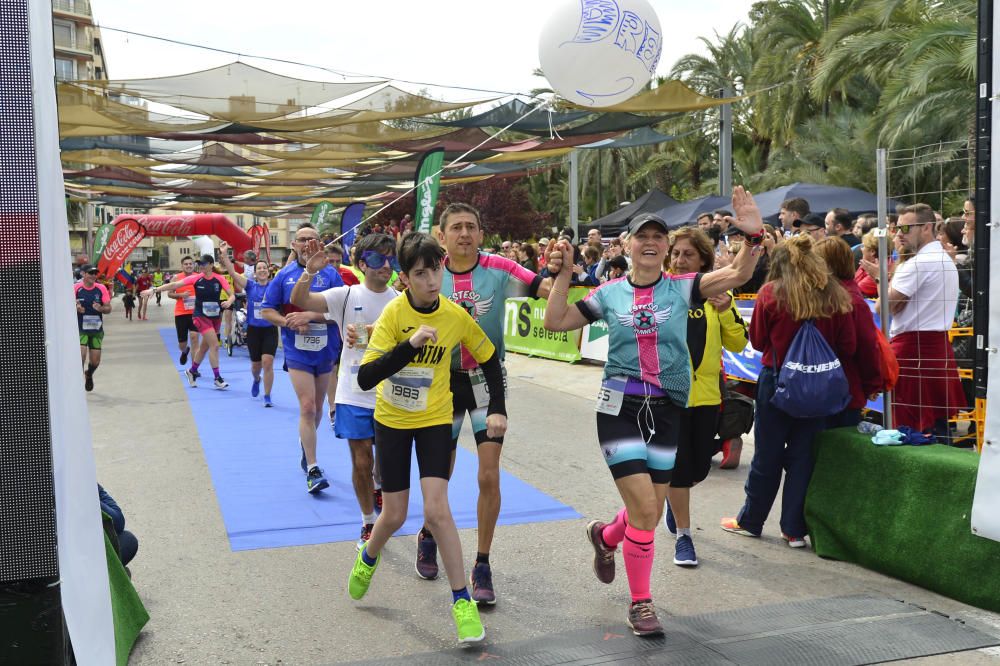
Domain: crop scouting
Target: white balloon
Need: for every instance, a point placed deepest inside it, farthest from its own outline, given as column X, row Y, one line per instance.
column 204, row 245
column 600, row 52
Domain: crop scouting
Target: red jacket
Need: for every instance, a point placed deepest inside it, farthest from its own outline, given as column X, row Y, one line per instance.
column 772, row 329
column 865, row 283
column 863, row 368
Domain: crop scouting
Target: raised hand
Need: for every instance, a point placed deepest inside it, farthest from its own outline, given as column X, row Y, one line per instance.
column 315, row 256
column 748, row 218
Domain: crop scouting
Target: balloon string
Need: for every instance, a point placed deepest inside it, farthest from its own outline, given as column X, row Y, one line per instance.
column 553, row 132
column 547, row 104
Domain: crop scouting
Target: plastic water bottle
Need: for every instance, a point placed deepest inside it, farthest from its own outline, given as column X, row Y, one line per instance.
column 868, row 428
column 360, row 328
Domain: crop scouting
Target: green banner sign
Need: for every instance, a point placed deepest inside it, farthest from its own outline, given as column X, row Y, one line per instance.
column 321, row 213
column 427, row 180
column 524, row 332
column 101, row 238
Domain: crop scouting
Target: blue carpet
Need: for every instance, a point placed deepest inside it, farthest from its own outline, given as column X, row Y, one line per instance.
column 253, row 457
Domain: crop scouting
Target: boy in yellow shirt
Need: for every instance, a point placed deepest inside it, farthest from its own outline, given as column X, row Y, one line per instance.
column 409, row 358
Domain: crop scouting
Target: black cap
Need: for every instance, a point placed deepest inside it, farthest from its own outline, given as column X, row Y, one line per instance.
column 640, row 221
column 812, row 219
column 205, row 259
column 87, row 268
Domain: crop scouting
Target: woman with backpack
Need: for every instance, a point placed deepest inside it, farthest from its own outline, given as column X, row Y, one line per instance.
column 863, row 368
column 799, row 290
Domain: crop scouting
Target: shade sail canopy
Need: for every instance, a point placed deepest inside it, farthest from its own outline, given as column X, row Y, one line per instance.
column 512, row 113
column 670, row 97
column 237, row 92
column 606, row 122
column 687, row 212
column 644, row 136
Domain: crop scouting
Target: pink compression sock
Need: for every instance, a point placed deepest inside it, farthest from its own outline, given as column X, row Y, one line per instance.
column 638, row 550
column 614, row 531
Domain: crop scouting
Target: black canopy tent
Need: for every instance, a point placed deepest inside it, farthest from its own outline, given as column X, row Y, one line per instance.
column 616, row 222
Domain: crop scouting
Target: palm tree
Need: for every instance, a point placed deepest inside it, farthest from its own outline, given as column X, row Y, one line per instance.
column 788, row 35
column 922, row 55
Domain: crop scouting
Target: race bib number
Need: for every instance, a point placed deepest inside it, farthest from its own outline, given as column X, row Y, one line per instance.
column 610, row 395
column 408, row 389
column 257, row 309
column 481, row 390
column 314, row 340
column 210, row 309
column 189, row 302
column 92, row 323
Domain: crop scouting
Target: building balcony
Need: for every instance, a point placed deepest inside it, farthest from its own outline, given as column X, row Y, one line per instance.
column 77, row 9
column 80, row 48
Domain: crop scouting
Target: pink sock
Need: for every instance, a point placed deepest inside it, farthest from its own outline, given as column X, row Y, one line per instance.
column 638, row 552
column 614, row 531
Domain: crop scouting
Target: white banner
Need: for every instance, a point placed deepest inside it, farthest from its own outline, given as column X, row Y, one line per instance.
column 83, row 567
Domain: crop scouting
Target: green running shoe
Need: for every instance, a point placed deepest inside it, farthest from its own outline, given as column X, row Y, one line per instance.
column 470, row 627
column 361, row 576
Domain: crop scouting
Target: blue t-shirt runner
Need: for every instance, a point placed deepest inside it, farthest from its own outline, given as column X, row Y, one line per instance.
column 315, row 351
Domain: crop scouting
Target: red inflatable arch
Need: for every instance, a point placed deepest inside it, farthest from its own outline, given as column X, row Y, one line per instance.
column 130, row 229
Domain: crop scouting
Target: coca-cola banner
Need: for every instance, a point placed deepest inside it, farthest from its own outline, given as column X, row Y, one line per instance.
column 204, row 224
column 126, row 236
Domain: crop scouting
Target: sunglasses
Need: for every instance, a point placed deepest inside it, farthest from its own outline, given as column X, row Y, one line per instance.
column 905, row 228
column 377, row 260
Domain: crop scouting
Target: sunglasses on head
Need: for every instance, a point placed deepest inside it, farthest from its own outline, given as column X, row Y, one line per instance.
column 905, row 228
column 377, row 260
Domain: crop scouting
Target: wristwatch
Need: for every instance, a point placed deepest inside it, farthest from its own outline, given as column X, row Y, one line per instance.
column 755, row 239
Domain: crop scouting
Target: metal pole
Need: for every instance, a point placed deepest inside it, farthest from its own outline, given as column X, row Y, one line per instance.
column 88, row 245
column 726, row 146
column 600, row 182
column 574, row 192
column 883, row 265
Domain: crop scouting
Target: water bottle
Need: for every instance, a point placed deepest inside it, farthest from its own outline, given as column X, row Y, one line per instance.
column 360, row 328
column 868, row 428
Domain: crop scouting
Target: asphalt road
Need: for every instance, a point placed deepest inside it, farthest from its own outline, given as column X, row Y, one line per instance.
column 209, row 605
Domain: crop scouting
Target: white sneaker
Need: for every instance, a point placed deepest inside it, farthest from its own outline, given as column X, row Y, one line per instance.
column 221, row 383
column 794, row 542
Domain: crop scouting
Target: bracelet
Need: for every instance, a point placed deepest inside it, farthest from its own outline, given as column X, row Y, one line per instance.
column 756, row 239
column 308, row 274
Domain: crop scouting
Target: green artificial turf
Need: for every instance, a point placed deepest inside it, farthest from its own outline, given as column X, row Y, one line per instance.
column 902, row 511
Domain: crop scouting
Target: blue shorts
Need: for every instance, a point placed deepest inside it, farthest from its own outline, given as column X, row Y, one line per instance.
column 322, row 368
column 354, row 422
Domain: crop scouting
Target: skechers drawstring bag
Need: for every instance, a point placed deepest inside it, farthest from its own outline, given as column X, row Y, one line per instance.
column 811, row 381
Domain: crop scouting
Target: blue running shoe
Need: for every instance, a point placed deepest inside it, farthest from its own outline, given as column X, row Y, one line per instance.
column 481, row 580
column 255, row 388
column 684, row 555
column 267, row 401
column 315, row 481
column 669, row 522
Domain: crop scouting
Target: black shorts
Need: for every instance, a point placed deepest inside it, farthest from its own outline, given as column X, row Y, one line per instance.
column 641, row 439
column 463, row 402
column 695, row 445
column 393, row 448
column 185, row 326
column 261, row 340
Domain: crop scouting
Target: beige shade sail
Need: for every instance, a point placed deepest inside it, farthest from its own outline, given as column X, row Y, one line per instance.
column 668, row 97
column 105, row 157
column 237, row 92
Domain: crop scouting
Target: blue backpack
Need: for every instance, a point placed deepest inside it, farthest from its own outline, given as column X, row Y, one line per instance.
column 811, row 381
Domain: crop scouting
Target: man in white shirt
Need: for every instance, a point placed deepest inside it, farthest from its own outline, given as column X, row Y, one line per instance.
column 923, row 296
column 358, row 305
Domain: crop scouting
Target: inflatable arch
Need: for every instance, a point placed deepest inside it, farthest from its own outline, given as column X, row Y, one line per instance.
column 130, row 229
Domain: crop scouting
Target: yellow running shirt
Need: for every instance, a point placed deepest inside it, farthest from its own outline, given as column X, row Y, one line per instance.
column 419, row 395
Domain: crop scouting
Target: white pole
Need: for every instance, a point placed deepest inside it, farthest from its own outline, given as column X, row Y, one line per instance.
column 726, row 147
column 883, row 265
column 574, row 192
